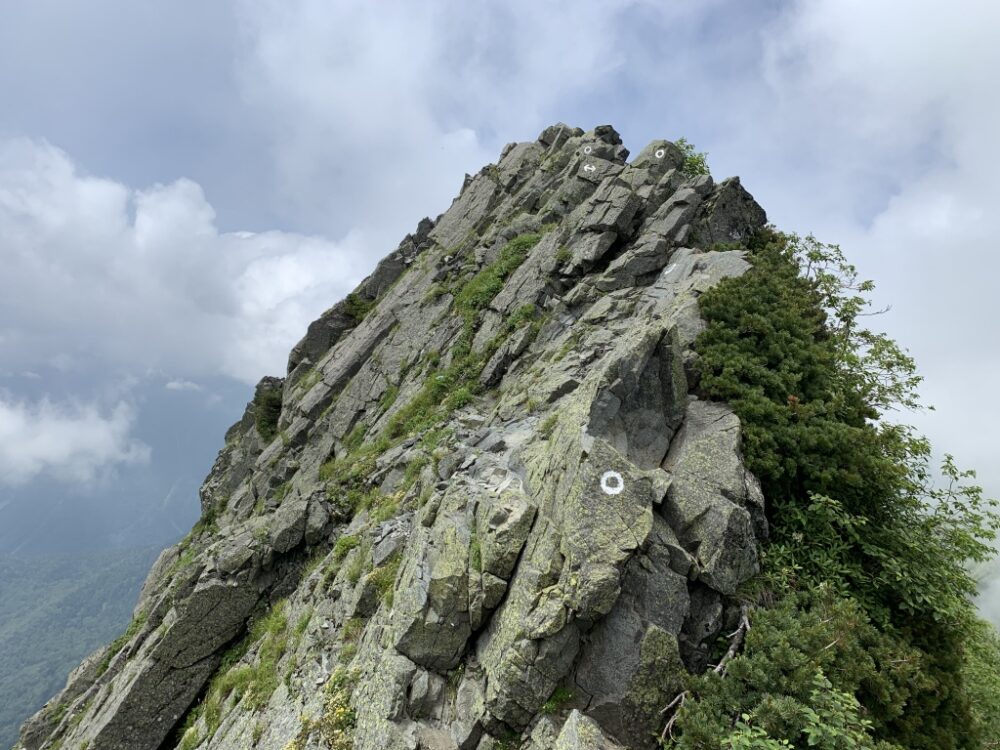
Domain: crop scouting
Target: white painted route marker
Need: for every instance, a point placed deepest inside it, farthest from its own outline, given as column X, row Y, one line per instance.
column 587, row 149
column 589, row 168
column 612, row 483
column 659, row 153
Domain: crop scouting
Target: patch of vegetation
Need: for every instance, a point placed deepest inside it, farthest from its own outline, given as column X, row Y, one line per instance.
column 461, row 396
column 981, row 670
column 282, row 492
column 564, row 255
column 547, row 426
column 343, row 545
column 559, row 699
column 304, row 619
column 359, row 562
column 385, row 507
column 436, row 291
column 874, row 642
column 384, row 576
column 355, row 437
column 309, row 378
column 137, row 624
column 569, row 345
column 455, row 676
column 486, row 284
column 522, row 316
column 695, row 162
column 267, row 410
column 336, row 726
column 187, row 555
column 350, row 636
column 388, row 398
column 252, row 684
column 510, row 740
column 357, row 307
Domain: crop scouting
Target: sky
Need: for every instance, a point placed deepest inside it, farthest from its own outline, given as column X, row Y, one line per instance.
column 185, row 185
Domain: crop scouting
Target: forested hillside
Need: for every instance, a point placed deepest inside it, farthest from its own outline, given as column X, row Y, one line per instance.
column 53, row 612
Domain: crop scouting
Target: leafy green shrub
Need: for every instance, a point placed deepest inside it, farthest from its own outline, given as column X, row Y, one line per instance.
column 852, row 503
column 788, row 650
column 980, row 675
column 695, row 162
column 357, row 307
column 267, row 410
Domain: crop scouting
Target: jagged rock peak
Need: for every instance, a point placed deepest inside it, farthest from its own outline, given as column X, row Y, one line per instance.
column 483, row 509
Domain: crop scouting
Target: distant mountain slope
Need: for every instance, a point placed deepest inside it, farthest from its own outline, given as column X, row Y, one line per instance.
column 53, row 612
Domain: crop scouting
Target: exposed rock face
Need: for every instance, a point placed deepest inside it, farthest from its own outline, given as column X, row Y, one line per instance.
column 492, row 515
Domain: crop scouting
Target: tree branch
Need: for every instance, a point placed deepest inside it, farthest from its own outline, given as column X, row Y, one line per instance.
column 735, row 644
column 736, row 641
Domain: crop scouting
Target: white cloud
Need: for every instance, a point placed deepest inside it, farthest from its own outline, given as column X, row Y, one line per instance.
column 393, row 103
column 889, row 102
column 98, row 273
column 70, row 442
column 183, row 385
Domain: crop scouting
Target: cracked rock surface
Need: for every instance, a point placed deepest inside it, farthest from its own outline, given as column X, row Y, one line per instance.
column 425, row 552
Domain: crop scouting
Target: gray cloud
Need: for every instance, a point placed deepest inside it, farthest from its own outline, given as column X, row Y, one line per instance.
column 72, row 442
column 99, row 274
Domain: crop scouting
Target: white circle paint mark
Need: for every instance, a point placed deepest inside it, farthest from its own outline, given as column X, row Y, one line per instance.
column 612, row 483
column 587, row 149
column 659, row 153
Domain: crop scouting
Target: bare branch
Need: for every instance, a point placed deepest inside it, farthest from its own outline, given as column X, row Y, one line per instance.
column 735, row 644
column 677, row 704
column 736, row 641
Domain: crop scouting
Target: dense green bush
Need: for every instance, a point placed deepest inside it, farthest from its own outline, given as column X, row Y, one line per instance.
column 267, row 410
column 358, row 307
column 855, row 511
column 695, row 162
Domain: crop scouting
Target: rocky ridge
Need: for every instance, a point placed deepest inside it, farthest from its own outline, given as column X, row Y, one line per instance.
column 484, row 508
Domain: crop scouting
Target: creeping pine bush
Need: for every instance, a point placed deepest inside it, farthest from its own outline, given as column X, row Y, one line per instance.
column 873, row 545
